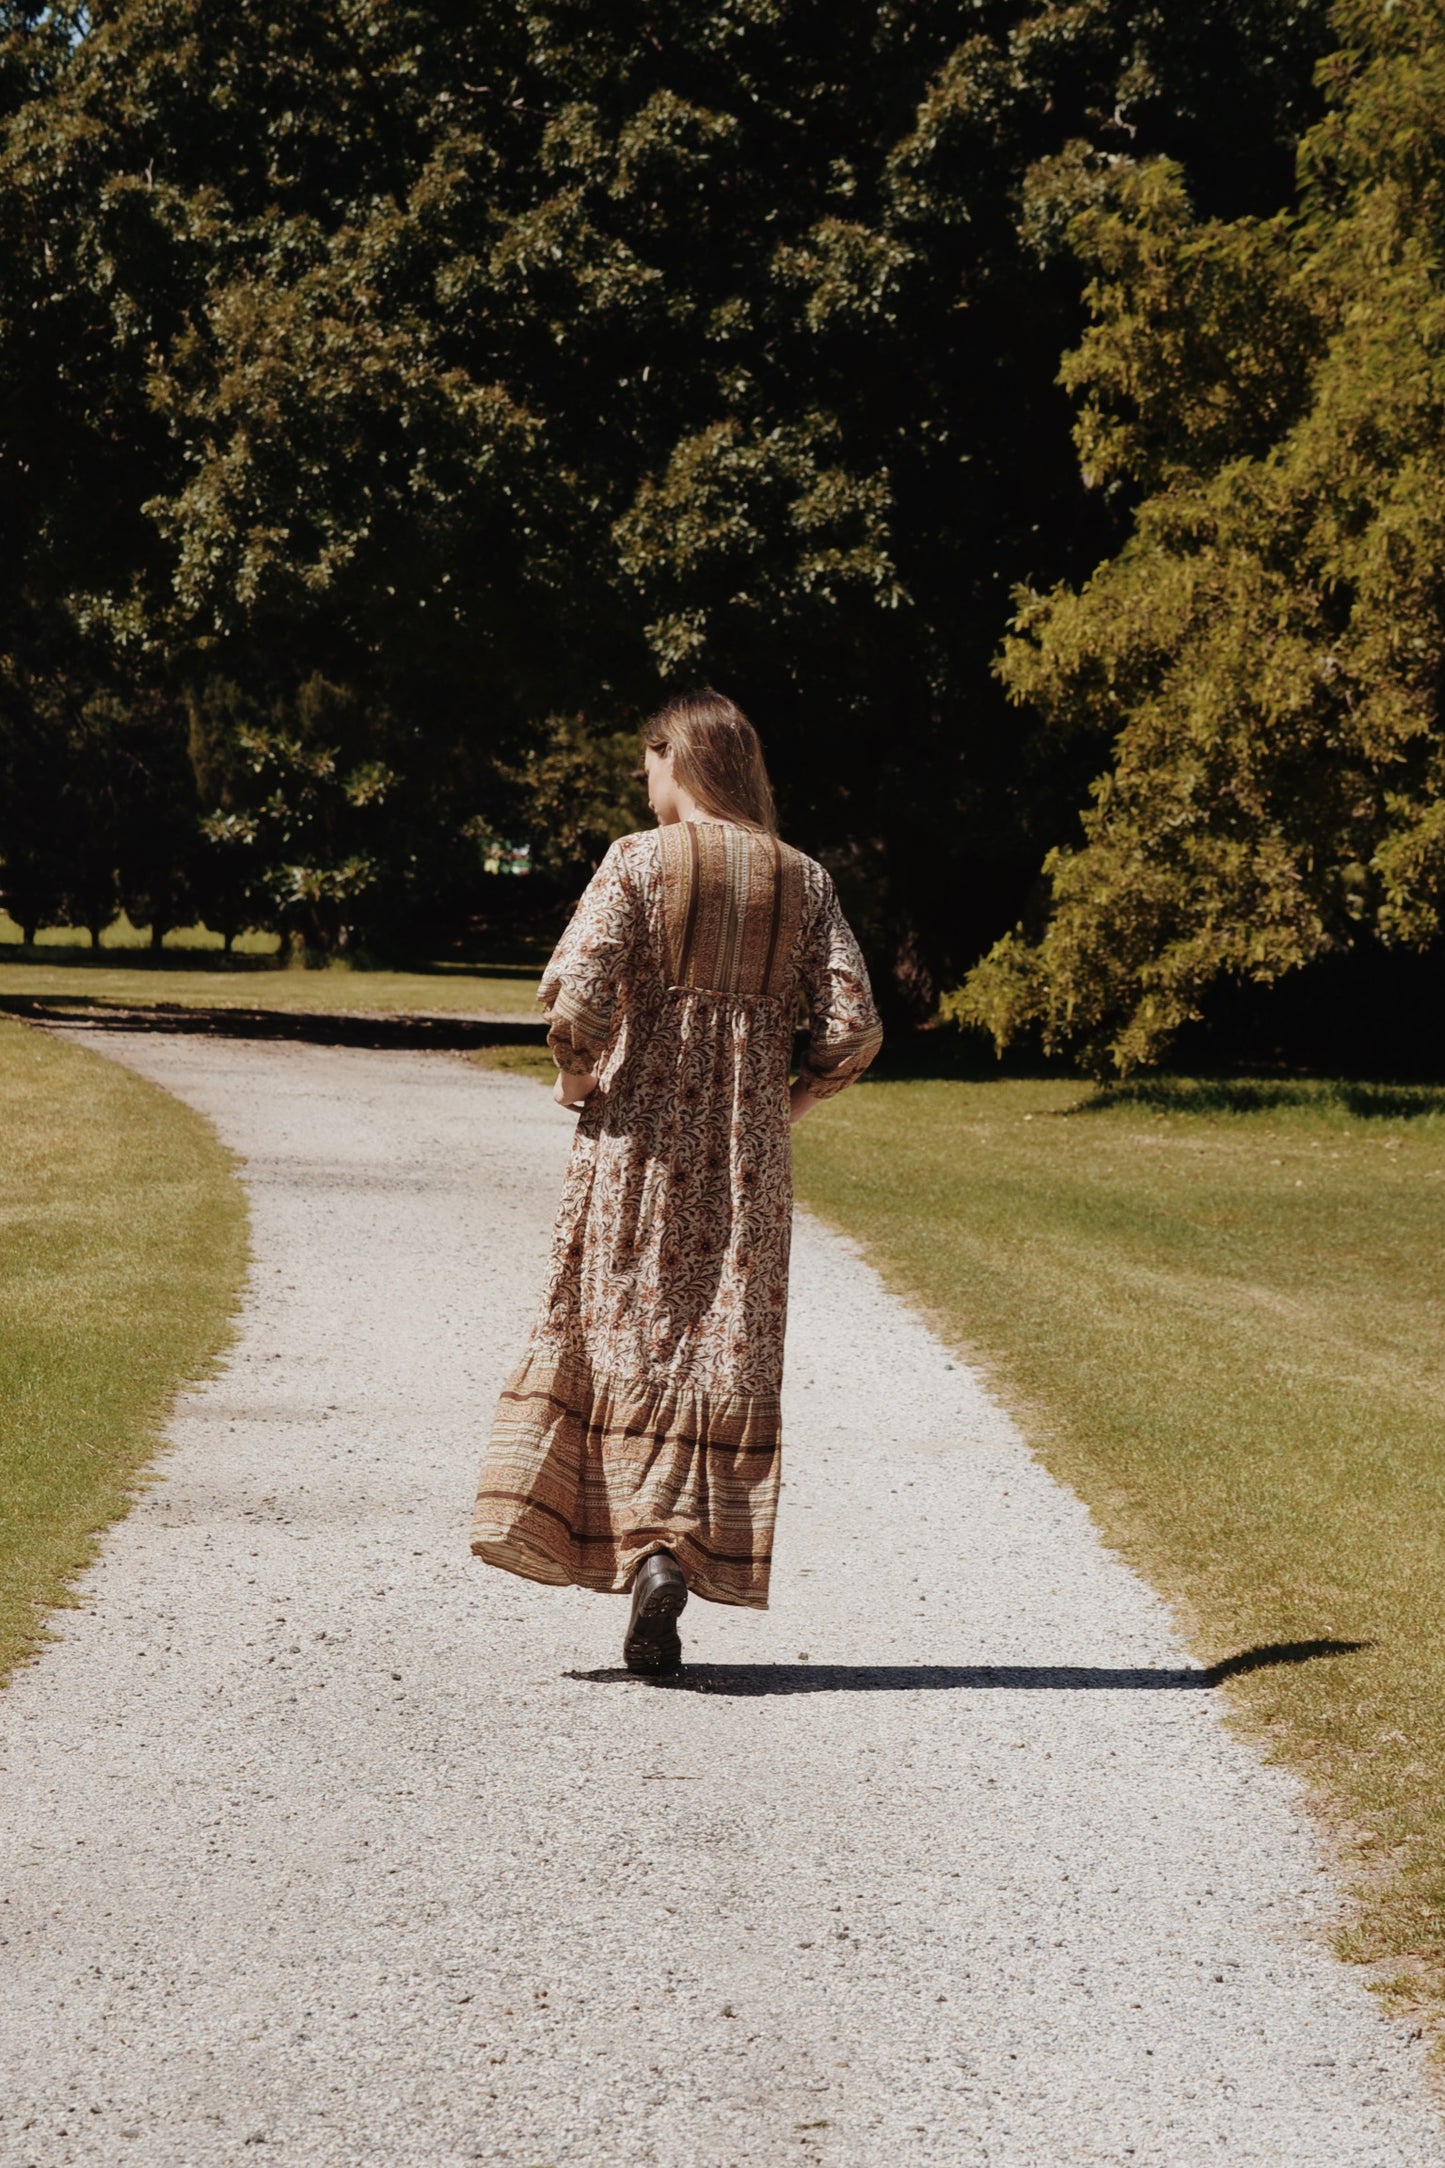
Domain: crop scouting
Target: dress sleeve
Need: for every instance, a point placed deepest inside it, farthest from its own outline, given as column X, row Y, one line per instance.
column 580, row 985
column 844, row 1033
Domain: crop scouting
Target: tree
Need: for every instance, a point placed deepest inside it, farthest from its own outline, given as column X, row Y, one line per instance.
column 579, row 789
column 33, row 856
column 68, row 792
column 511, row 363
column 1263, row 662
column 159, row 844
column 309, row 827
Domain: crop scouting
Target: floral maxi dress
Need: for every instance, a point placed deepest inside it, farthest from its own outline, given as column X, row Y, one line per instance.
column 644, row 1414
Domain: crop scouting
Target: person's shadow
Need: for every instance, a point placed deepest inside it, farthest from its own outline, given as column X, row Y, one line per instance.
column 808, row 1678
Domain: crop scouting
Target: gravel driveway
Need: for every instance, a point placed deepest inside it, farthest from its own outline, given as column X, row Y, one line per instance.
column 325, row 1844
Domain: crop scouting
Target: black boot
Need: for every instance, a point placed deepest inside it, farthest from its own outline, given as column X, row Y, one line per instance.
column 658, row 1595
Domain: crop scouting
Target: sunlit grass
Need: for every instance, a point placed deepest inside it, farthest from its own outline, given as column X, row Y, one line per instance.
column 122, row 1249
column 121, row 934
column 517, row 1061
column 138, row 982
column 1218, row 1310
column 192, row 971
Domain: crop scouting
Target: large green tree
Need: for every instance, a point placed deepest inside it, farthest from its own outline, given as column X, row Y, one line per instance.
column 1261, row 666
column 496, row 365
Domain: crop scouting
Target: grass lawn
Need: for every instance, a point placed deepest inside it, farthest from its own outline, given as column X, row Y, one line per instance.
column 63, row 972
column 1218, row 1311
column 451, row 990
column 518, row 1061
column 121, row 934
column 192, row 972
column 122, row 1251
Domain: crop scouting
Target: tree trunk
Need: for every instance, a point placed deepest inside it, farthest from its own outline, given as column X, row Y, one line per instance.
column 28, row 933
column 158, row 934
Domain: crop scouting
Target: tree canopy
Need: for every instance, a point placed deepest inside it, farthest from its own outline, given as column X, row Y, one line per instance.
column 1262, row 662
column 398, row 400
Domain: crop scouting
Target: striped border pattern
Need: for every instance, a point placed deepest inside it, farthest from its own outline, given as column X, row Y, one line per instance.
column 733, row 906
column 584, row 1476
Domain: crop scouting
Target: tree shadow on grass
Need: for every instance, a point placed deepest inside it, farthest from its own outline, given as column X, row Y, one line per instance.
column 1269, row 1095
column 504, row 960
column 315, row 1027
column 940, row 1055
column 750, row 1681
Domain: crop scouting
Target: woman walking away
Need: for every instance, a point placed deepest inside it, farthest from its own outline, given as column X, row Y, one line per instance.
column 637, row 1443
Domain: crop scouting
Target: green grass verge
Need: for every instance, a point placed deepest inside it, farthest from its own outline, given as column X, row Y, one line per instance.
column 191, row 971
column 1218, row 1311
column 122, row 1252
column 121, row 934
column 257, row 983
column 517, row 1061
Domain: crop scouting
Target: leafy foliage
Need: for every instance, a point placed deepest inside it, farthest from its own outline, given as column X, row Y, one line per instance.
column 97, row 813
column 1264, row 657
column 298, row 796
column 583, row 788
column 498, row 364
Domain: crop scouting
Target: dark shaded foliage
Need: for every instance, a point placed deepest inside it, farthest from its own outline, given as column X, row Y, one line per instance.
column 496, row 366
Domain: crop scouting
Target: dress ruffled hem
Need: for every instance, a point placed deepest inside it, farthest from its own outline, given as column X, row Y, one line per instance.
column 584, row 1477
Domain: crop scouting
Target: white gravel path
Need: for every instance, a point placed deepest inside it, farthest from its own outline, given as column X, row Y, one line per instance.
column 318, row 1849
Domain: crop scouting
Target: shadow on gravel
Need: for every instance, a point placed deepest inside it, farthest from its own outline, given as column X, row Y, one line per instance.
column 757, row 1679
column 316, row 1028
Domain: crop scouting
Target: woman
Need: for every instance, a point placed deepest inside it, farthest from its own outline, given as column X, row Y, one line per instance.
column 637, row 1443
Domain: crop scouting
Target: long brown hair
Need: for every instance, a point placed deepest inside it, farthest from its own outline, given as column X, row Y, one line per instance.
column 716, row 756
